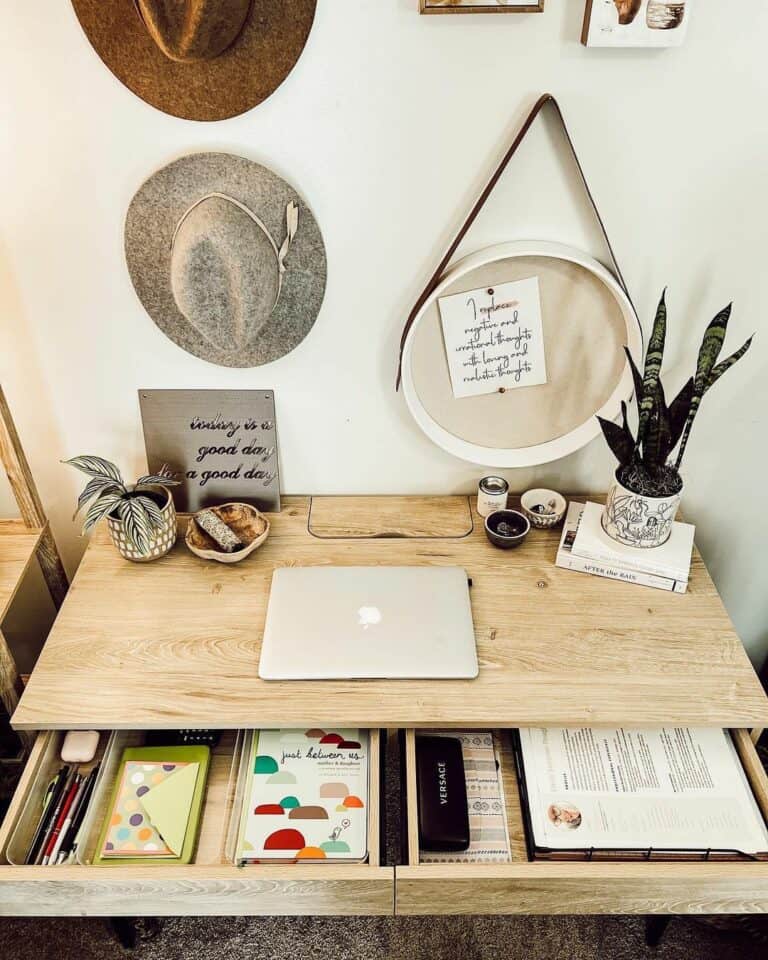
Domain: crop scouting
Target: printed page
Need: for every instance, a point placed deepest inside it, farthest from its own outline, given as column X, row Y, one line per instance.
column 678, row 788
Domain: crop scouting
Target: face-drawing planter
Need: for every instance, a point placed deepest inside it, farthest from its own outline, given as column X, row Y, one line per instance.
column 638, row 521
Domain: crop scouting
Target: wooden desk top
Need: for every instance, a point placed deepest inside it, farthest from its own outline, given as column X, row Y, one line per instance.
column 175, row 643
column 17, row 548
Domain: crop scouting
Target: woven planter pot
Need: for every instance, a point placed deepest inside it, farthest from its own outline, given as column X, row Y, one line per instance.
column 638, row 521
column 162, row 539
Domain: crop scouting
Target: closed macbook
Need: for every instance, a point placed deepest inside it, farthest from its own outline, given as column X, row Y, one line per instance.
column 329, row 623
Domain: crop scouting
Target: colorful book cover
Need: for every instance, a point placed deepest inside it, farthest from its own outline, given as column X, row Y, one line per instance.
column 307, row 798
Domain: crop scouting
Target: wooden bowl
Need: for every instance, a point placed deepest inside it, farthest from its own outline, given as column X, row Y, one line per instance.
column 249, row 525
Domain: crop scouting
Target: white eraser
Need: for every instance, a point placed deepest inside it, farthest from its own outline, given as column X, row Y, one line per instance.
column 80, row 746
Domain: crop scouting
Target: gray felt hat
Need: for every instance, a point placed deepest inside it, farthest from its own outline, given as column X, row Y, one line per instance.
column 226, row 258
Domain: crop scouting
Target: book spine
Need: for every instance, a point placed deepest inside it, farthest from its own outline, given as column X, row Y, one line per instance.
column 612, row 572
column 638, row 564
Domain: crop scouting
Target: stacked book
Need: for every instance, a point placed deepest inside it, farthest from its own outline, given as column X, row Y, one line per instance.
column 587, row 548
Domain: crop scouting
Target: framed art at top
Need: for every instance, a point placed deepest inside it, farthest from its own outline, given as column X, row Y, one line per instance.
column 481, row 6
column 635, row 23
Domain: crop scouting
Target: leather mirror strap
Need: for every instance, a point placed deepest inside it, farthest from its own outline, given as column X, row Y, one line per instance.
column 546, row 98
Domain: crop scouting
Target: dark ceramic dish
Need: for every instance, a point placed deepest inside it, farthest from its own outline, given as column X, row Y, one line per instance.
column 506, row 528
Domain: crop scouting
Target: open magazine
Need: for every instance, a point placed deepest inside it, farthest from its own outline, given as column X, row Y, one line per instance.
column 630, row 793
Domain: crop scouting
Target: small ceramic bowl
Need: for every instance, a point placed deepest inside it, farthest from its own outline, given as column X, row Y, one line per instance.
column 249, row 525
column 532, row 499
column 506, row 528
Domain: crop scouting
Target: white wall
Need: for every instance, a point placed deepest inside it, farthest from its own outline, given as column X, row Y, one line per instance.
column 389, row 125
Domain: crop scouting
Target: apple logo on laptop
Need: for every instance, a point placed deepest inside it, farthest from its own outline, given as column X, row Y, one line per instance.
column 368, row 617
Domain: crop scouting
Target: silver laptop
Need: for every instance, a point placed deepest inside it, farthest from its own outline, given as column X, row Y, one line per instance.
column 338, row 623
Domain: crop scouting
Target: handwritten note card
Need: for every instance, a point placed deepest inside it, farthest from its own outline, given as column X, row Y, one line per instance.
column 494, row 338
column 222, row 444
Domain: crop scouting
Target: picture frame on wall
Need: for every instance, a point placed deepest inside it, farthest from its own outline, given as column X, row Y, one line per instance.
column 481, row 6
column 636, row 23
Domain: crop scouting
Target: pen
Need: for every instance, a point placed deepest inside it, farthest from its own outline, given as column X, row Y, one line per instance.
column 67, row 831
column 77, row 793
column 50, row 801
column 69, row 846
column 56, row 821
column 41, row 821
column 78, row 827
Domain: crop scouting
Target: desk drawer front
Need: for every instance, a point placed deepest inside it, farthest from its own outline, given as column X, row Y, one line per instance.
column 208, row 885
column 546, row 888
column 279, row 890
column 523, row 887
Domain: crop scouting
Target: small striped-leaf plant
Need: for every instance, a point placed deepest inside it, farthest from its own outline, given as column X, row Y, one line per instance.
column 107, row 494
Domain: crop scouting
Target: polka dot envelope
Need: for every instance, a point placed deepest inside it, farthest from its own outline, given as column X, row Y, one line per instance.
column 155, row 807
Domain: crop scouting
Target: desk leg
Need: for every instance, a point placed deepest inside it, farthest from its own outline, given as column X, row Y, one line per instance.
column 128, row 931
column 655, row 926
column 125, row 931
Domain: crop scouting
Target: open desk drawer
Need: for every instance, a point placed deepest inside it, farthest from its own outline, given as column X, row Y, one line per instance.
column 571, row 888
column 209, row 885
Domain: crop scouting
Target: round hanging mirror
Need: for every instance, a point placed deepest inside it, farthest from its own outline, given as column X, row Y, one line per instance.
column 586, row 319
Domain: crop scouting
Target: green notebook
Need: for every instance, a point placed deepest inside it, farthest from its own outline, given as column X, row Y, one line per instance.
column 154, row 813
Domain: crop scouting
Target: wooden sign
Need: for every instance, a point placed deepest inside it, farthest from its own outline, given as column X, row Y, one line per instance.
column 494, row 338
column 221, row 443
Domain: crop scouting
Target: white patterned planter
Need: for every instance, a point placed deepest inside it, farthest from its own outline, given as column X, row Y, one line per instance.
column 638, row 521
column 162, row 539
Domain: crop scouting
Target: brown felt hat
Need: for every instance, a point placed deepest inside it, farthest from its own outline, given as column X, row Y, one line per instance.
column 198, row 59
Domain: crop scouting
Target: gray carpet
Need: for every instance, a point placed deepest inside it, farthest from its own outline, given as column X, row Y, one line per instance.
column 420, row 938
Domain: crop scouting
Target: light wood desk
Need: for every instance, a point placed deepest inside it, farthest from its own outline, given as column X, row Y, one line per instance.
column 176, row 644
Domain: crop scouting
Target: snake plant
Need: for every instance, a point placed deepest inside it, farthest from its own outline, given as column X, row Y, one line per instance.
column 108, row 494
column 648, row 464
